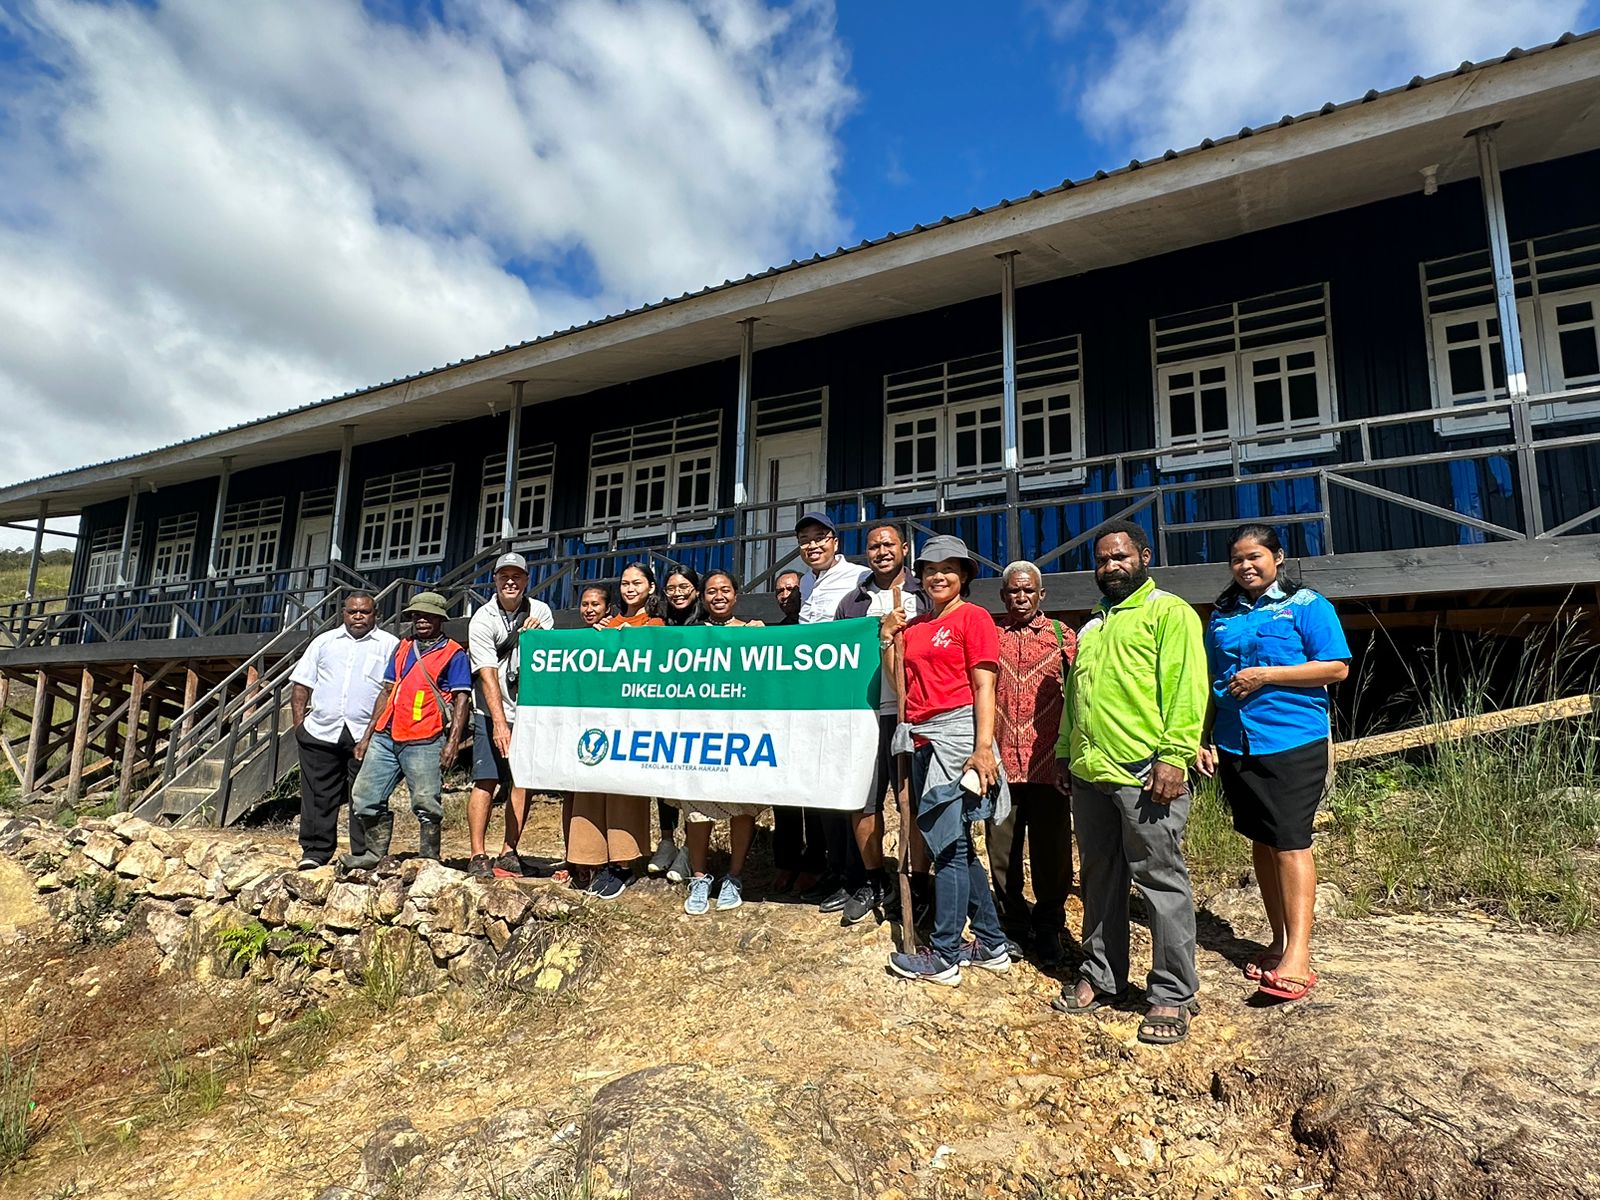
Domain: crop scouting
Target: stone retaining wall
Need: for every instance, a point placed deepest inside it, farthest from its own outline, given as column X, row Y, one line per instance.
column 426, row 924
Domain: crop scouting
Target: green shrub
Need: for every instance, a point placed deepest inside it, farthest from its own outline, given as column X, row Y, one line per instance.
column 18, row 1130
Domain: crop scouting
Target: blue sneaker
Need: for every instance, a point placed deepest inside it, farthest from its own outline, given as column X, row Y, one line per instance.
column 609, row 883
column 699, row 898
column 731, row 894
column 974, row 953
column 925, row 965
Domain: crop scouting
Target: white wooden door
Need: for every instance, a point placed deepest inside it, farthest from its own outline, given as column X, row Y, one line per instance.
column 789, row 467
column 312, row 542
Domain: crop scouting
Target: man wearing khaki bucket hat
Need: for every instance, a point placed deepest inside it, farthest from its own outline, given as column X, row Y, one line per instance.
column 416, row 732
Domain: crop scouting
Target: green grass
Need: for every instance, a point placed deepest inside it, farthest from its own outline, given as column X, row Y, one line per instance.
column 54, row 577
column 18, row 1129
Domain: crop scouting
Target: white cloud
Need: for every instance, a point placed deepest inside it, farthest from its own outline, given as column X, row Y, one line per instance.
column 1204, row 68
column 217, row 211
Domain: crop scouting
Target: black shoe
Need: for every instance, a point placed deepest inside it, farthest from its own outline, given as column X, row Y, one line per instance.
column 834, row 901
column 480, row 867
column 862, row 903
column 825, row 888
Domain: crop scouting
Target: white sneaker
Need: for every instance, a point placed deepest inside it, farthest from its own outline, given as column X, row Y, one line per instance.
column 679, row 871
column 731, row 895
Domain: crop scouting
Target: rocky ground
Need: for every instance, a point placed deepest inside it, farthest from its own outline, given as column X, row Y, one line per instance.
column 767, row 1053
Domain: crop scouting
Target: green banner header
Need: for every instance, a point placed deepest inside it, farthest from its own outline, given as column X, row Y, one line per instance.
column 834, row 665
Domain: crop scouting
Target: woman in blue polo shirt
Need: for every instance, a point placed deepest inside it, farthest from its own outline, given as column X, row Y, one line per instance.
column 1273, row 648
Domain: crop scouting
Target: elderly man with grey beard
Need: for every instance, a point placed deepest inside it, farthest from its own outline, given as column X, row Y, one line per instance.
column 1035, row 654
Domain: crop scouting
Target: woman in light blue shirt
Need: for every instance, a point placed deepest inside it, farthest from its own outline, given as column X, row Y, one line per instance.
column 1272, row 648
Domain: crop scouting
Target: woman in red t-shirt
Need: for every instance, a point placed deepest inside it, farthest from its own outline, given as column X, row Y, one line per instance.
column 949, row 659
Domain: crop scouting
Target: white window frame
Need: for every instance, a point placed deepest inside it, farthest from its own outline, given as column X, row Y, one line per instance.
column 666, row 453
column 396, row 509
column 1556, row 379
column 535, row 485
column 1219, row 339
column 974, row 385
column 173, row 560
column 248, row 543
column 1548, row 272
column 1488, row 346
column 105, row 557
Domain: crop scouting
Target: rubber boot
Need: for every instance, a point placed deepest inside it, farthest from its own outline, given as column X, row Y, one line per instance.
column 376, row 832
column 427, row 839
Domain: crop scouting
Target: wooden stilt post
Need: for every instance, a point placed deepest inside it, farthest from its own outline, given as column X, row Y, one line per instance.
column 191, row 691
column 42, row 704
column 80, row 736
column 130, row 744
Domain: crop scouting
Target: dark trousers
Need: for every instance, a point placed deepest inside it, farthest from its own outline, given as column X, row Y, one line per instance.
column 667, row 814
column 327, row 770
column 1043, row 817
column 797, row 841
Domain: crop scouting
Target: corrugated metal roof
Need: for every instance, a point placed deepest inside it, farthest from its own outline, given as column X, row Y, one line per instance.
column 1205, row 144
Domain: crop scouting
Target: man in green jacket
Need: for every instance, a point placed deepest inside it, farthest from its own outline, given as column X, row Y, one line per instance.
column 1135, row 702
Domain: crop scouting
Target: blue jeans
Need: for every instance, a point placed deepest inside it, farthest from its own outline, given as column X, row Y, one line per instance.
column 385, row 762
column 960, row 889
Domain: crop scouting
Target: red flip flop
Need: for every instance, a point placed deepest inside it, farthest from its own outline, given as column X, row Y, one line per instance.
column 1286, row 987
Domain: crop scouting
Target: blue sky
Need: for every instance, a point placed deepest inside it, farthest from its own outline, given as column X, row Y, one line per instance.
column 212, row 212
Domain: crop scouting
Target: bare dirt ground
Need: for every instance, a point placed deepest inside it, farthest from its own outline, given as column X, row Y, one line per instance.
column 1440, row 1057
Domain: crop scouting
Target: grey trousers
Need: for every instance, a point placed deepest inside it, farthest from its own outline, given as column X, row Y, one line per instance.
column 1123, row 836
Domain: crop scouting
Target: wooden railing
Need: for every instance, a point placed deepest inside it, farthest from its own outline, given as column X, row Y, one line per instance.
column 1046, row 514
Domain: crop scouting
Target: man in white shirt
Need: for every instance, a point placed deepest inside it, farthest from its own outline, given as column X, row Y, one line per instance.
column 829, row 578
column 493, row 641
column 336, row 687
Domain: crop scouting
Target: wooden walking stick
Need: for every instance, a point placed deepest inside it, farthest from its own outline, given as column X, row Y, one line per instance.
column 894, row 664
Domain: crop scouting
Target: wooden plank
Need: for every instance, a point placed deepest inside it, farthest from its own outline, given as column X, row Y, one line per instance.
column 42, row 704
column 80, row 735
column 130, row 744
column 1445, row 731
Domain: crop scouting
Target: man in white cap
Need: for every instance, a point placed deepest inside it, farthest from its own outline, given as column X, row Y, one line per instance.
column 493, row 644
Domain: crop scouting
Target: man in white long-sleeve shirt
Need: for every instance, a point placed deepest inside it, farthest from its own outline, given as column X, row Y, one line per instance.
column 336, row 686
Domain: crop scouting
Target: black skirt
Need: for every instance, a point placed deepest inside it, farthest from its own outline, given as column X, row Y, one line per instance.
column 1274, row 797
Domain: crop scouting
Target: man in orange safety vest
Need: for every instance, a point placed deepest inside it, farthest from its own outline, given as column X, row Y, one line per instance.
column 415, row 732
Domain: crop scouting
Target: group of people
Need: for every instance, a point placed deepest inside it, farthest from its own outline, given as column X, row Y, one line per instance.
column 1044, row 733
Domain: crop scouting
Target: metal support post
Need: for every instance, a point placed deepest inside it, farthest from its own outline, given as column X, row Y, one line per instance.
column 215, row 545
column 741, row 427
column 341, row 488
column 1505, row 288
column 38, row 548
column 123, row 578
column 508, row 501
column 1008, row 411
column 1505, row 297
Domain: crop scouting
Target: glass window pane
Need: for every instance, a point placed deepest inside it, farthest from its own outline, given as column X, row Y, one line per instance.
column 1264, row 366
column 1269, row 402
column 1570, row 314
column 927, row 456
column 1183, row 379
column 1303, row 405
column 1061, row 435
column 1214, row 375
column 902, row 460
column 992, row 456
column 1214, row 410
column 1304, row 361
column 966, row 450
column 1461, row 331
column 1033, row 439
column 1466, row 371
column 1580, row 354
column 1181, row 407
